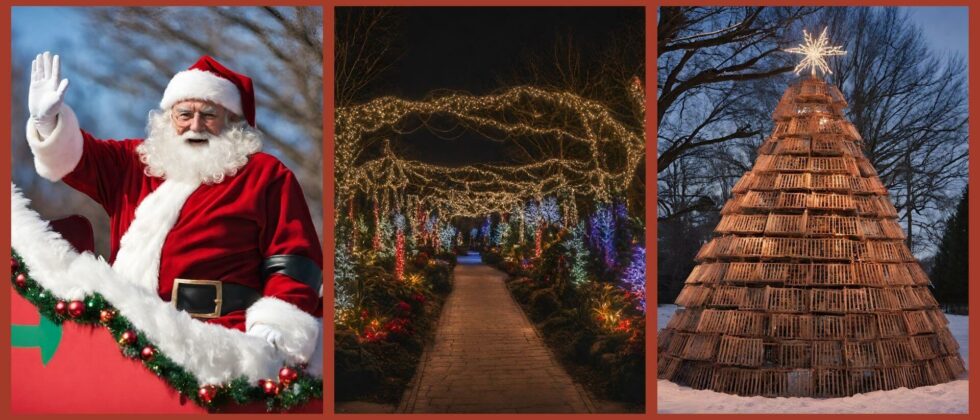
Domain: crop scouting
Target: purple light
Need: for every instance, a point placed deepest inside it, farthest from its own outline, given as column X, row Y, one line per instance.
column 634, row 277
column 602, row 231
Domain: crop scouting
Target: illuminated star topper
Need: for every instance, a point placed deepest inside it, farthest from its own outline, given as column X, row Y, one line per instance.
column 814, row 53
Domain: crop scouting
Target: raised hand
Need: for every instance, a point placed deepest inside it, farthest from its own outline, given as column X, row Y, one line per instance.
column 47, row 91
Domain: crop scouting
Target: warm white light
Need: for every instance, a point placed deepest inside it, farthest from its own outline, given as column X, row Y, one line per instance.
column 478, row 190
column 814, row 53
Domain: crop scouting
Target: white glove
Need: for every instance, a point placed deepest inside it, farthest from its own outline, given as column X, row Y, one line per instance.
column 272, row 335
column 47, row 93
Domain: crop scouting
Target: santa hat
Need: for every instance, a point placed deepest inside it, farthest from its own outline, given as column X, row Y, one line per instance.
column 208, row 80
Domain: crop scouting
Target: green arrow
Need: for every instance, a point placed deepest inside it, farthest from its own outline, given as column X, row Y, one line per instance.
column 45, row 335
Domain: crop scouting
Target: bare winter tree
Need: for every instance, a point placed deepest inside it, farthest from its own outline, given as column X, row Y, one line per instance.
column 605, row 77
column 279, row 47
column 366, row 47
column 910, row 105
column 707, row 59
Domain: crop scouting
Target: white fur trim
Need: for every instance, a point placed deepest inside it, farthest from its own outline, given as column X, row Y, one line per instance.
column 138, row 258
column 58, row 154
column 315, row 365
column 202, row 85
column 299, row 329
column 212, row 353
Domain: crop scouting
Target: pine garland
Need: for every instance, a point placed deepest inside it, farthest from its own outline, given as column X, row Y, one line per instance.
column 240, row 391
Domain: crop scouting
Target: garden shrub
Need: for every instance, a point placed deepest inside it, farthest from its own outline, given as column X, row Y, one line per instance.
column 357, row 371
column 544, row 302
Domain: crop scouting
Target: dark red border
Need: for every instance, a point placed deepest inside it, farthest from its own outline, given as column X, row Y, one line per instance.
column 328, row 168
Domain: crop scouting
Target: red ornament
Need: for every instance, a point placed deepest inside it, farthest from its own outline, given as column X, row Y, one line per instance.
column 14, row 265
column 76, row 308
column 60, row 307
column 147, row 353
column 128, row 337
column 287, row 375
column 21, row 280
column 269, row 386
column 106, row 315
column 206, row 393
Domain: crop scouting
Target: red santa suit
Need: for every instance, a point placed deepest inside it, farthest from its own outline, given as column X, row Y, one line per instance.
column 162, row 230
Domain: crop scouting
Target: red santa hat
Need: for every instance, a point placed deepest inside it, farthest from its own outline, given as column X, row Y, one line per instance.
column 208, row 80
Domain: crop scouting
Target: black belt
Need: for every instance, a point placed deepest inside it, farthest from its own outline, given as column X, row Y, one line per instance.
column 211, row 298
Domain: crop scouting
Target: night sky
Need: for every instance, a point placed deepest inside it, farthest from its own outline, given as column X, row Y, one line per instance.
column 477, row 50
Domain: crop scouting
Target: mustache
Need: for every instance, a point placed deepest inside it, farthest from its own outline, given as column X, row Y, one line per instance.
column 202, row 135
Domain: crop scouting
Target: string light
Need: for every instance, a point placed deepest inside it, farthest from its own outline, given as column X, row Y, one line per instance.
column 416, row 221
column 638, row 95
column 599, row 160
column 635, row 274
column 531, row 218
column 549, row 212
column 537, row 241
column 485, row 230
column 502, row 233
column 376, row 239
column 386, row 233
column 344, row 278
column 399, row 255
column 575, row 245
column 602, row 229
column 520, row 224
column 484, row 189
column 446, row 236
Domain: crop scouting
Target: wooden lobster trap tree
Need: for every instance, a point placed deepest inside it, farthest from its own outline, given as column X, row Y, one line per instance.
column 807, row 287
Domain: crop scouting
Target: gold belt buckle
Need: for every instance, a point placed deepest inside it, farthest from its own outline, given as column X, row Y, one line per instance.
column 217, row 296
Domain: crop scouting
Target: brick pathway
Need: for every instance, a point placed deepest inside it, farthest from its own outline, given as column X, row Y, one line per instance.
column 488, row 358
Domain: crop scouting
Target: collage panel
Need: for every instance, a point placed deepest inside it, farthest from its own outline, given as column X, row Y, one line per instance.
column 179, row 268
column 490, row 197
column 812, row 206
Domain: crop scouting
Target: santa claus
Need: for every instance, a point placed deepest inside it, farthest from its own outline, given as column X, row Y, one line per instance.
column 198, row 214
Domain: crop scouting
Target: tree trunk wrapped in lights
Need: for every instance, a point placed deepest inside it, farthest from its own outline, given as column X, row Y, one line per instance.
column 807, row 288
column 537, row 241
column 399, row 255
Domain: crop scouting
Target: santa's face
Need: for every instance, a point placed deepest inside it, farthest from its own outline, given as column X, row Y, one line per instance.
column 199, row 116
column 197, row 141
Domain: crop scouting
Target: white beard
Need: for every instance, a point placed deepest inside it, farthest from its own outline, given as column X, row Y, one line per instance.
column 169, row 155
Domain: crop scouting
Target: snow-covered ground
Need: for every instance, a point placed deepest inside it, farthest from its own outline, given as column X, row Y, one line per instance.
column 950, row 397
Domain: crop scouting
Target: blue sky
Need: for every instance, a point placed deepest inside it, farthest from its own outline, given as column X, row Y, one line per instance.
column 26, row 20
column 945, row 28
